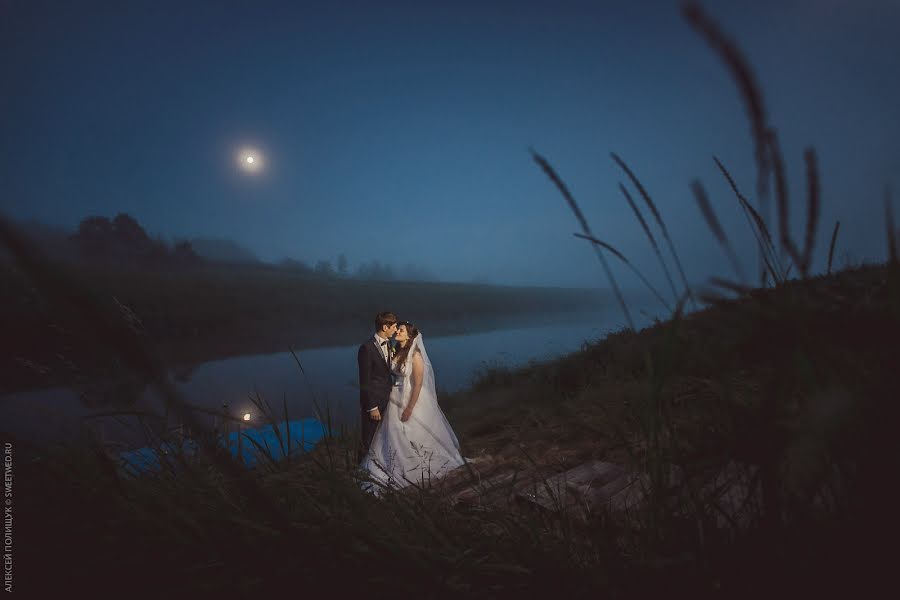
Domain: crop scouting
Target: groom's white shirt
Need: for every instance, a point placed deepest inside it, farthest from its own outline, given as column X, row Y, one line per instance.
column 384, row 353
column 384, row 349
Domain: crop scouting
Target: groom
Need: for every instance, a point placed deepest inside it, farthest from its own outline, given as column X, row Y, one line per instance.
column 374, row 379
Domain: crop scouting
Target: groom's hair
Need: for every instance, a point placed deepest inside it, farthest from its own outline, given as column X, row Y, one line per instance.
column 384, row 318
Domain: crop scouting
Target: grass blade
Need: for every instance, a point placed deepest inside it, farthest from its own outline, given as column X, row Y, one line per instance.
column 760, row 231
column 621, row 257
column 564, row 190
column 889, row 223
column 782, row 202
column 659, row 221
column 329, row 450
column 732, row 286
column 287, row 426
column 747, row 85
column 837, row 225
column 812, row 207
column 713, row 222
column 649, row 234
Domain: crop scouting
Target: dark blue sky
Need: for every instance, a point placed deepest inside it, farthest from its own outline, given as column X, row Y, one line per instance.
column 412, row 120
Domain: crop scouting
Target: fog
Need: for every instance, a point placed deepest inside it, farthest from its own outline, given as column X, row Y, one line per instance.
column 400, row 132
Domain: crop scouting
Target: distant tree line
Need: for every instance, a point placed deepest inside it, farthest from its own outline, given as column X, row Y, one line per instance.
column 368, row 271
column 100, row 240
column 123, row 241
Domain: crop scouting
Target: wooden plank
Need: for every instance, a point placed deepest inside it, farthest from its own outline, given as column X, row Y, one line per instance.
column 500, row 488
column 628, row 493
column 583, row 484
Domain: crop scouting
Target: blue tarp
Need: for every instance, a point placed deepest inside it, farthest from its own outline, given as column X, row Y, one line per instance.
column 304, row 434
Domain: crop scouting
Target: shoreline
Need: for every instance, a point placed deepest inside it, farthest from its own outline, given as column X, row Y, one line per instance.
column 185, row 354
column 216, row 311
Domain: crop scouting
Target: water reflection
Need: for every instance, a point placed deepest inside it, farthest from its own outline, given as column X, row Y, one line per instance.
column 250, row 444
column 328, row 381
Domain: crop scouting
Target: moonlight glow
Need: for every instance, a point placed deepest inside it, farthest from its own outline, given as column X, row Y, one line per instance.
column 250, row 160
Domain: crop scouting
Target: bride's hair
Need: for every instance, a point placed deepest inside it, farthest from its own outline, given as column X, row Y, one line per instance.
column 403, row 353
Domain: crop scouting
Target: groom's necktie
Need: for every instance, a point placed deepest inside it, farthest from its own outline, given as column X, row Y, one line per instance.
column 387, row 354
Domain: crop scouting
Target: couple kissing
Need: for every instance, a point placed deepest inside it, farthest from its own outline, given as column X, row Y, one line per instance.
column 404, row 436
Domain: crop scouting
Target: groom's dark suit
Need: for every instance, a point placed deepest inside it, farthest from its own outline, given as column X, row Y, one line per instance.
column 374, row 390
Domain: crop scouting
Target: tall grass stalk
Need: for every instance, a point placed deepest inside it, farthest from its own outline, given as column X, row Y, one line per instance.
column 627, row 262
column 749, row 90
column 663, row 440
column 713, row 222
column 650, row 237
column 782, row 201
column 767, row 250
column 659, row 221
column 889, row 224
column 768, row 151
column 564, row 190
column 324, row 418
column 737, row 288
column 834, row 234
column 812, row 208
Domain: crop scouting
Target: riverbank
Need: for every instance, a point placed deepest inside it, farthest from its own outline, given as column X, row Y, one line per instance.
column 809, row 354
column 193, row 315
column 793, row 386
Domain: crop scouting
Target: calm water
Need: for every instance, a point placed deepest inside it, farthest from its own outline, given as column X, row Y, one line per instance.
column 330, row 378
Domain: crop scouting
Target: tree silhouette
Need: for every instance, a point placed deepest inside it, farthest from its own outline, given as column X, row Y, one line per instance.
column 121, row 241
column 129, row 233
column 184, row 252
column 93, row 237
column 295, row 265
column 375, row 271
column 324, row 268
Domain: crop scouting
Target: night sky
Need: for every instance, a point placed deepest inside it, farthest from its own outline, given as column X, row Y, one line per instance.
column 399, row 131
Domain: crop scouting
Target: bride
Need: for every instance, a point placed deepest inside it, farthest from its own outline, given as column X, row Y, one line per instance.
column 414, row 441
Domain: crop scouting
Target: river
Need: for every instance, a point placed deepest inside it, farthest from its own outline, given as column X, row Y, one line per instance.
column 328, row 378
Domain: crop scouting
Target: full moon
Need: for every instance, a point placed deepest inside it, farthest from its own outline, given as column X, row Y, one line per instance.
column 250, row 160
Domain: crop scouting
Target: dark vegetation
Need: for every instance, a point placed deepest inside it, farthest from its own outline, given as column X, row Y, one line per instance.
column 789, row 389
column 790, row 384
column 122, row 242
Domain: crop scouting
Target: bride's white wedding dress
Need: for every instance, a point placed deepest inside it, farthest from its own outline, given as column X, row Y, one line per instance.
column 422, row 448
